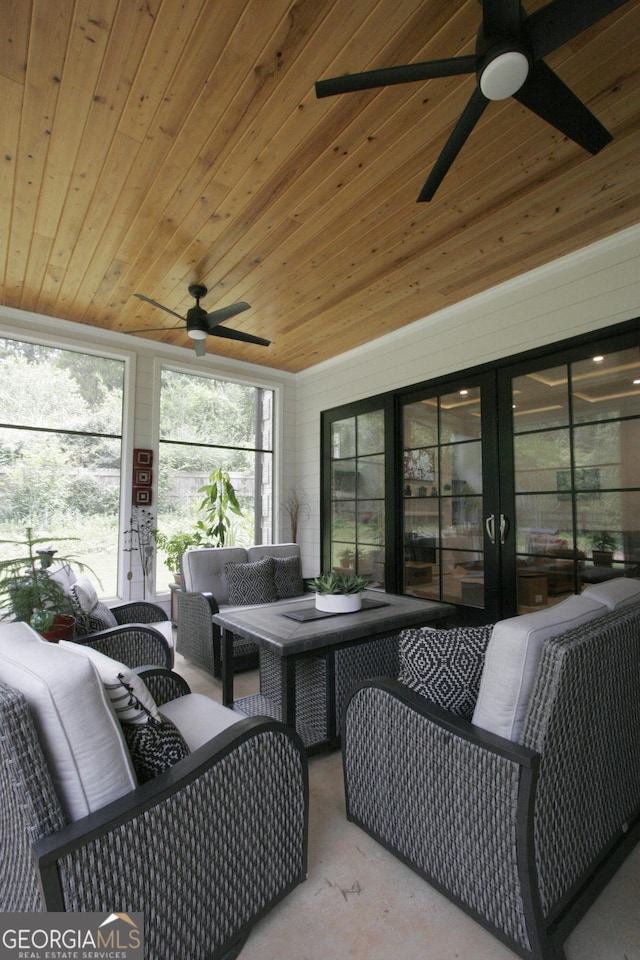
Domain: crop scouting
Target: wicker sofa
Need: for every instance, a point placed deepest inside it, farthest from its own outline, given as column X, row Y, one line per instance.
column 206, row 589
column 521, row 813
column 202, row 850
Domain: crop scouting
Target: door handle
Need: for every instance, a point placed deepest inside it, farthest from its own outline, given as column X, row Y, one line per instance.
column 504, row 528
column 490, row 526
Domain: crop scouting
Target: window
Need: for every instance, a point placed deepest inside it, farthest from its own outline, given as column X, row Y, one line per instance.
column 207, row 423
column 61, row 451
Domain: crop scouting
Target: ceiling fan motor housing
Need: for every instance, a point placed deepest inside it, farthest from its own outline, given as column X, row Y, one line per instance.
column 197, row 326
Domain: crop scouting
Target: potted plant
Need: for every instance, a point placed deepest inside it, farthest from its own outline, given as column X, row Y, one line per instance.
column 339, row 592
column 347, row 560
column 174, row 546
column 28, row 593
column 603, row 544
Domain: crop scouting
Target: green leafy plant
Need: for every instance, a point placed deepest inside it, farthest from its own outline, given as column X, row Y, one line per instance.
column 27, row 592
column 218, row 503
column 333, row 582
column 174, row 545
column 347, row 558
column 603, row 540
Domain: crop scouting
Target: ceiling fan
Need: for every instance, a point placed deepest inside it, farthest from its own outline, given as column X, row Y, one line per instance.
column 508, row 63
column 201, row 324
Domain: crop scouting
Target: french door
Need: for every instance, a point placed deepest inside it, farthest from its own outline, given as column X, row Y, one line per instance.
column 521, row 486
column 501, row 490
column 451, row 526
column 570, row 433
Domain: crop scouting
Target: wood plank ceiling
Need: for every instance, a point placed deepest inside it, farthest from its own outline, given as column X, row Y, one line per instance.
column 153, row 144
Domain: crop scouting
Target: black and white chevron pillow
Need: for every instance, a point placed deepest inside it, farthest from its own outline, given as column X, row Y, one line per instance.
column 154, row 746
column 445, row 666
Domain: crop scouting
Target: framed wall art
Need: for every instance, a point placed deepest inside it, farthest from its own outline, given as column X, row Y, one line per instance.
column 142, row 496
column 141, row 478
column 142, row 458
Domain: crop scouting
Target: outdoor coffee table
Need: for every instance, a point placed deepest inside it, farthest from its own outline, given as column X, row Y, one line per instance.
column 309, row 661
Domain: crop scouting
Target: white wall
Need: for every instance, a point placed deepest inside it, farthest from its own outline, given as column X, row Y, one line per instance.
column 584, row 292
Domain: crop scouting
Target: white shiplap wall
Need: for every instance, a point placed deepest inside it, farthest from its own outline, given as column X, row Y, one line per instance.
column 584, row 292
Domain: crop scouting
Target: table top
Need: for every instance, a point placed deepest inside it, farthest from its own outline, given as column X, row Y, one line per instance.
column 269, row 626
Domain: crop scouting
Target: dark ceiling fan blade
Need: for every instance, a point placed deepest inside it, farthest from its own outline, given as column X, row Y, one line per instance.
column 501, row 18
column 468, row 119
column 155, row 329
column 200, row 347
column 551, row 26
column 230, row 334
column 225, row 313
column 387, row 76
column 545, row 94
column 155, row 303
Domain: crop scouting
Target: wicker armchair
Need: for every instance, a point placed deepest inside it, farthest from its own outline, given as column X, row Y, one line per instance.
column 201, row 880
column 141, row 632
column 521, row 835
column 136, row 644
column 138, row 611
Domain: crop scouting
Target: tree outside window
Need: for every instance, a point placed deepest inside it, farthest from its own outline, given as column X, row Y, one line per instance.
column 206, row 423
column 61, row 450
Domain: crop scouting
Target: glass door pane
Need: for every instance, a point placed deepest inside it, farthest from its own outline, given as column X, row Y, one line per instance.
column 443, row 502
column 576, row 433
column 358, row 496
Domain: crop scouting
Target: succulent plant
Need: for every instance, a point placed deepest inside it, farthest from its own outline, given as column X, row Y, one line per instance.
column 333, row 582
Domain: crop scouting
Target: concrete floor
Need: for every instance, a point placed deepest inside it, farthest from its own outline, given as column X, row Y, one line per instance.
column 360, row 902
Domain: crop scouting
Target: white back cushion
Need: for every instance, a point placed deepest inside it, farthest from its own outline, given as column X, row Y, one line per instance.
column 78, row 731
column 512, row 659
column 273, row 550
column 204, row 570
column 614, row 593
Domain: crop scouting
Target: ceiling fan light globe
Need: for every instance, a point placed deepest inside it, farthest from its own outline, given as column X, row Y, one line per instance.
column 504, row 75
column 197, row 334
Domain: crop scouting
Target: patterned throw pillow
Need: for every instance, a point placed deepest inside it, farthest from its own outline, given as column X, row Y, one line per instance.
column 90, row 613
column 287, row 575
column 251, row 582
column 445, row 666
column 154, row 745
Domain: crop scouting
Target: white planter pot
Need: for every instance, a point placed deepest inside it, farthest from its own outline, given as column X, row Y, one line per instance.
column 339, row 602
